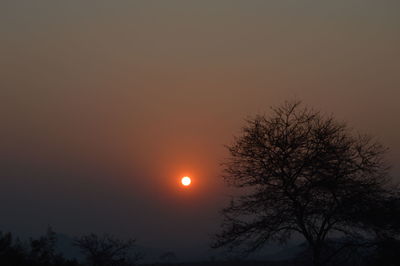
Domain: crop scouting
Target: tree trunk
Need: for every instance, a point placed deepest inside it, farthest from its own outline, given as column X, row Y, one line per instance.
column 316, row 256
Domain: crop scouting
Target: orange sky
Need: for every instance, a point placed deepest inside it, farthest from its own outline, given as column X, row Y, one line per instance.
column 105, row 106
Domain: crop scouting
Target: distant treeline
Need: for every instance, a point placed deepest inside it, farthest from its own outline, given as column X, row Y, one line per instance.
column 97, row 250
column 106, row 250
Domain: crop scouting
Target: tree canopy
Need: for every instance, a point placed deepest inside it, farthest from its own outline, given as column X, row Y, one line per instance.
column 304, row 172
column 107, row 250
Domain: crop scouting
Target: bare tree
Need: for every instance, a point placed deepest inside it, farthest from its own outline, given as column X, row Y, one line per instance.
column 303, row 172
column 107, row 250
column 43, row 249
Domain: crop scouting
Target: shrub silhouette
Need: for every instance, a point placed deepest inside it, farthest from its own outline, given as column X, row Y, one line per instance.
column 107, row 250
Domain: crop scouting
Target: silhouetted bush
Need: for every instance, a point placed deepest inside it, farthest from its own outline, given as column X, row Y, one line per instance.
column 107, row 250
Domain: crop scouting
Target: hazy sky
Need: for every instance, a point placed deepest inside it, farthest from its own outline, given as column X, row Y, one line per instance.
column 105, row 104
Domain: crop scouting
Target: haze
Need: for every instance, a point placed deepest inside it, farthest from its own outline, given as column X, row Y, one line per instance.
column 105, row 105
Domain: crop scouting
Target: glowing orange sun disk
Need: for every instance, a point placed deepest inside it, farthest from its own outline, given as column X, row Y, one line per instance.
column 186, row 181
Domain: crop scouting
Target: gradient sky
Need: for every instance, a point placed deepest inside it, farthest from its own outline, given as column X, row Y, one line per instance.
column 105, row 104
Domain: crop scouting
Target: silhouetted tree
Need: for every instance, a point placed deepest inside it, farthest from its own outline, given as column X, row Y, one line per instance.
column 35, row 252
column 107, row 250
column 11, row 251
column 303, row 172
column 42, row 250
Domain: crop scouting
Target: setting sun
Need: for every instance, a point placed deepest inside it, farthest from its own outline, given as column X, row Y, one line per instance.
column 186, row 181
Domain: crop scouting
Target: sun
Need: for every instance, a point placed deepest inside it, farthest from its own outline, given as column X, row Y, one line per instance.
column 186, row 181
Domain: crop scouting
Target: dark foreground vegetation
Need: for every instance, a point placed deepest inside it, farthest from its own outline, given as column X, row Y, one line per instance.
column 109, row 251
column 229, row 263
column 96, row 250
